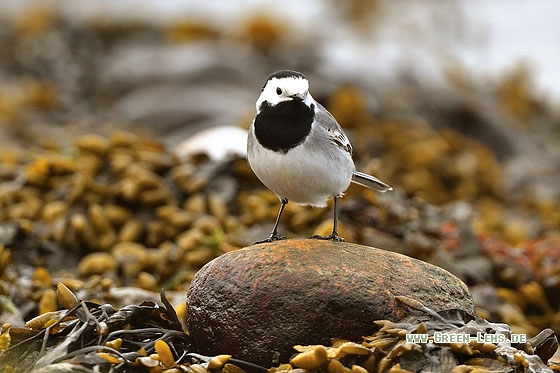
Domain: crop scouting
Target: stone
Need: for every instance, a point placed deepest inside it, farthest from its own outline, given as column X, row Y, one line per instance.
column 256, row 303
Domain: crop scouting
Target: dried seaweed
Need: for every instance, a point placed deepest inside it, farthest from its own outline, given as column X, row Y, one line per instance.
column 83, row 336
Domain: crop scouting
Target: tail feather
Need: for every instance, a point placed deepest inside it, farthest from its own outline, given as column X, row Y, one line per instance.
column 370, row 182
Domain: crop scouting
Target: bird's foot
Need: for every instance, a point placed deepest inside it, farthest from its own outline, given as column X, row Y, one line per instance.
column 273, row 237
column 333, row 236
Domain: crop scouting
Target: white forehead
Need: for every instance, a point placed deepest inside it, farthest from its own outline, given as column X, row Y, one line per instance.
column 291, row 84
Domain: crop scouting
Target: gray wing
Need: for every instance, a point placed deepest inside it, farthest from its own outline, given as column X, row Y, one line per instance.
column 337, row 136
column 335, row 133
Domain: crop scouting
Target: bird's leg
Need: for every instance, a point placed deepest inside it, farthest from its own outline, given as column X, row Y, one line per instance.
column 274, row 236
column 334, row 234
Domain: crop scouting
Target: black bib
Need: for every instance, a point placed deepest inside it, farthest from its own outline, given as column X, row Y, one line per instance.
column 284, row 126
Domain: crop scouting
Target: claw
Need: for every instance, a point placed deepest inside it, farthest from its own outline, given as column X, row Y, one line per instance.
column 333, row 236
column 271, row 238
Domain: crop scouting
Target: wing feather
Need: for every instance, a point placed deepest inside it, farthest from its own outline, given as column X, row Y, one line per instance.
column 334, row 131
column 335, row 134
column 370, row 182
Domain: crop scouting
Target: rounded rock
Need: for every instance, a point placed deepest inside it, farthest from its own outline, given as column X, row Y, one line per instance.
column 258, row 302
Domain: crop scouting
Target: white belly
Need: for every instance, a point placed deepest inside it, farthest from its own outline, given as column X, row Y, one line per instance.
column 303, row 176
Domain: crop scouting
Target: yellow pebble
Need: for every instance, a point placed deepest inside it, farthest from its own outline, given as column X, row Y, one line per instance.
column 131, row 230
column 42, row 277
column 311, row 359
column 351, row 348
column 110, row 358
column 181, row 310
column 520, row 360
column 218, row 361
column 5, row 340
column 396, row 369
column 230, row 368
column 358, row 369
column 66, row 298
column 164, row 353
column 463, row 369
column 146, row 281
column 96, row 264
column 39, row 321
column 336, row 366
column 48, row 303
column 115, row 344
column 462, row 348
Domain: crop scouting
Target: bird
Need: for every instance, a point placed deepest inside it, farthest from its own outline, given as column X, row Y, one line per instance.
column 297, row 149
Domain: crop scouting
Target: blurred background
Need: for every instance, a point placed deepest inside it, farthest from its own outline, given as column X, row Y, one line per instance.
column 171, row 69
column 456, row 104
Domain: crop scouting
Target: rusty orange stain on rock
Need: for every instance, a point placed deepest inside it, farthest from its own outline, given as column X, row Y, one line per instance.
column 259, row 301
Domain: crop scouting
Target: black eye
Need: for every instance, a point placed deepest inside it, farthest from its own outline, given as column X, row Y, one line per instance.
column 278, row 91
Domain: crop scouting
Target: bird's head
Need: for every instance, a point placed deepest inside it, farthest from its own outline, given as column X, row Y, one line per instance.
column 285, row 85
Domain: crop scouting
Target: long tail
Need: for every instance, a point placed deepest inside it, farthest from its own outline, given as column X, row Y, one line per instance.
column 370, row 182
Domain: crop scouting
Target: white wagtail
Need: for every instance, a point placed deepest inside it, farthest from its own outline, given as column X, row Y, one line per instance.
column 299, row 151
